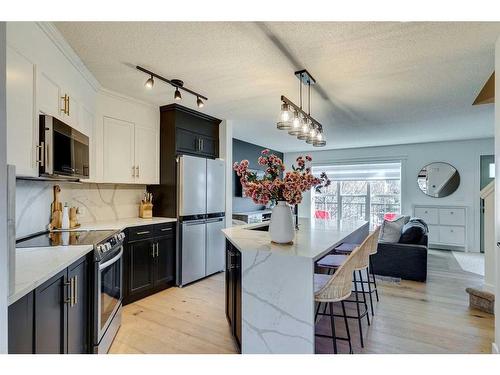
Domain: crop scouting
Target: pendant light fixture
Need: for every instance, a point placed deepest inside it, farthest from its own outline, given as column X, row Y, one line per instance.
column 177, row 83
column 295, row 120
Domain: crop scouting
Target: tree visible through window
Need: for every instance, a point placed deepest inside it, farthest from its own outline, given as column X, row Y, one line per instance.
column 359, row 192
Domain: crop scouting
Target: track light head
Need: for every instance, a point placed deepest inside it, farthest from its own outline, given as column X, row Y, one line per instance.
column 150, row 83
column 177, row 94
column 199, row 103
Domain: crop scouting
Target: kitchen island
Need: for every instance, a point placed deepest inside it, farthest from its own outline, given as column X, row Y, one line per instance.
column 269, row 287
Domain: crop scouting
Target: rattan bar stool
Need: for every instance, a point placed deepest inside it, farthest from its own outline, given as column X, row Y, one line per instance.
column 330, row 289
column 334, row 261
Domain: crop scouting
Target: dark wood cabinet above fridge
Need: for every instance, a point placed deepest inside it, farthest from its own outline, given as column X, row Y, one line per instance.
column 183, row 131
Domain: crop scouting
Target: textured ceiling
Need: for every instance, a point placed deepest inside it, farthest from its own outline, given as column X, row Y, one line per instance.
column 379, row 83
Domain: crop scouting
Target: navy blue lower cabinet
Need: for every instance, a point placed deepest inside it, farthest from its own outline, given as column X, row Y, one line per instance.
column 21, row 325
column 233, row 291
column 56, row 317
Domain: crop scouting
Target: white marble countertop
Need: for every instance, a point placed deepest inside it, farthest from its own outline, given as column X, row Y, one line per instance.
column 121, row 224
column 314, row 239
column 36, row 265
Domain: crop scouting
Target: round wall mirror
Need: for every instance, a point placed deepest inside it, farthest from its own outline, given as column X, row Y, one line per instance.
column 438, row 180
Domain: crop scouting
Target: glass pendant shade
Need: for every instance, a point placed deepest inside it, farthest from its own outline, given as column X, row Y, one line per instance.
column 285, row 120
column 296, row 124
column 305, row 130
column 312, row 136
column 319, row 140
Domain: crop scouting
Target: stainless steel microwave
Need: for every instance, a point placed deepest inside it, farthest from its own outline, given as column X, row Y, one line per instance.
column 64, row 151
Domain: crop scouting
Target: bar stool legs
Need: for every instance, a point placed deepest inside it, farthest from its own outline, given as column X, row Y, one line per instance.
column 370, row 290
column 347, row 327
column 374, row 279
column 332, row 323
column 364, row 296
column 358, row 310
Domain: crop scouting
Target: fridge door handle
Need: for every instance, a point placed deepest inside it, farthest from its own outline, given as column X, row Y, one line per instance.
column 194, row 222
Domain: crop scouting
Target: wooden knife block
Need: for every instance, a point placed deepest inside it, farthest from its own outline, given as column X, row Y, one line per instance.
column 146, row 210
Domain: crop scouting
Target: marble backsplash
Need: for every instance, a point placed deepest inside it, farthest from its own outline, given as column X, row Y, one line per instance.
column 96, row 201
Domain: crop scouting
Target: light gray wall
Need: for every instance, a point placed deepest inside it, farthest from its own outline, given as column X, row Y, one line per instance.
column 463, row 155
column 4, row 276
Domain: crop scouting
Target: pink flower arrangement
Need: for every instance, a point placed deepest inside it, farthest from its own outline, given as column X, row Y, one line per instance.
column 272, row 187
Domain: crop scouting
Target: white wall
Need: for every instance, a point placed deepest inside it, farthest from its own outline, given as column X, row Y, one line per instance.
column 4, row 275
column 463, row 155
column 496, row 344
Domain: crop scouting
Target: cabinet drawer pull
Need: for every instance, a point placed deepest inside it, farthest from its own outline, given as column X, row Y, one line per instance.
column 165, row 229
column 143, row 232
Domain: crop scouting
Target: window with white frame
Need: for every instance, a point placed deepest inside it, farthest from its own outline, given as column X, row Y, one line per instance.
column 359, row 192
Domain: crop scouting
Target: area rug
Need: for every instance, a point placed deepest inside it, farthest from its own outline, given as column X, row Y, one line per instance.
column 470, row 262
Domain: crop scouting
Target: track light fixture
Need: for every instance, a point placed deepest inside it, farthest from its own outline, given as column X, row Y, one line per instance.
column 177, row 83
column 150, row 83
column 294, row 119
column 177, row 94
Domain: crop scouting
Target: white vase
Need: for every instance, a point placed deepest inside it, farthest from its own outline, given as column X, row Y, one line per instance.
column 281, row 227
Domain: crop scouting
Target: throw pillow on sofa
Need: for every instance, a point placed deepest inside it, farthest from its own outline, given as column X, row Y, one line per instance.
column 390, row 231
column 413, row 231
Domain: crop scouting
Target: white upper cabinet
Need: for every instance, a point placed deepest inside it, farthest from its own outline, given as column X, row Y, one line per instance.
column 39, row 74
column 21, row 135
column 48, row 95
column 130, row 153
column 119, row 162
column 146, row 155
column 128, row 149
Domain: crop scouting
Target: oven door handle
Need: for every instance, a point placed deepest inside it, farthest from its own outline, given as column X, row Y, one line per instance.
column 111, row 261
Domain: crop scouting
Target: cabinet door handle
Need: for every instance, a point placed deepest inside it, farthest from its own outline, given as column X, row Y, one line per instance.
column 65, row 103
column 69, row 299
column 137, row 171
column 75, row 289
column 133, row 171
column 201, row 144
column 67, row 98
column 40, row 157
column 153, row 248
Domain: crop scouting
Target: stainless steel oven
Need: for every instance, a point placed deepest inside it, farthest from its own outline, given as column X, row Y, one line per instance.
column 109, row 294
column 63, row 150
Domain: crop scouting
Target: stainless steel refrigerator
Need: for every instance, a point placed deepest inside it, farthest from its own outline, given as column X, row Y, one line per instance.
column 201, row 214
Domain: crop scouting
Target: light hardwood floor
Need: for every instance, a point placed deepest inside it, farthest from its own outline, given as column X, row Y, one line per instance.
column 411, row 317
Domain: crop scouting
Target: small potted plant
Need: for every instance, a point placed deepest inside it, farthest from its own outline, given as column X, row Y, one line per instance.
column 283, row 191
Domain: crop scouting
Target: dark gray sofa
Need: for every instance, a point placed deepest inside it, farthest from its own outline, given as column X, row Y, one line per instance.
column 406, row 261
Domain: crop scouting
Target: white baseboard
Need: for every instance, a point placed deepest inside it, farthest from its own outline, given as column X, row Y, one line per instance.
column 494, row 348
